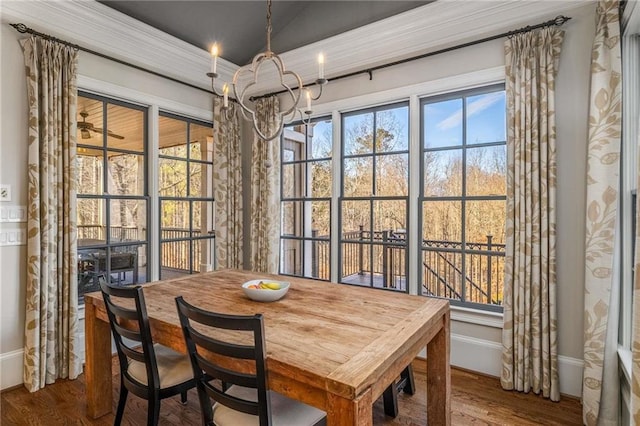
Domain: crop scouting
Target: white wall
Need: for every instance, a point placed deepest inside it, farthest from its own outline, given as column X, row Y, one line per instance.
column 13, row 154
column 99, row 75
column 471, row 342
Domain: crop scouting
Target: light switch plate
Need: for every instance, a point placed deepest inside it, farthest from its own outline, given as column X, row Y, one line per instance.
column 13, row 213
column 5, row 192
column 13, row 237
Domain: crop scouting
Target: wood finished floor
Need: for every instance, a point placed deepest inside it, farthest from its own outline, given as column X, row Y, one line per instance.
column 476, row 400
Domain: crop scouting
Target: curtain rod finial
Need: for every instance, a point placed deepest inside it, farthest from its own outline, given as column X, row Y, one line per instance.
column 21, row 28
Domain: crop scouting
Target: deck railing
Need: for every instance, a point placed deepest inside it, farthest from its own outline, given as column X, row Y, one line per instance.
column 473, row 273
column 175, row 243
column 175, row 251
column 480, row 280
column 118, row 233
column 388, row 259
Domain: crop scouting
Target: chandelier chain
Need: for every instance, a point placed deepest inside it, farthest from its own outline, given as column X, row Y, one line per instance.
column 269, row 26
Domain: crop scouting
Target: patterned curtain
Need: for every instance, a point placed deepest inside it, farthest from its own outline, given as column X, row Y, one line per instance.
column 51, row 343
column 600, row 381
column 265, row 187
column 529, row 356
column 227, row 185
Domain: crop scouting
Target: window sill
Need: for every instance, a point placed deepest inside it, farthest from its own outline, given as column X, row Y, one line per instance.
column 625, row 357
column 476, row 316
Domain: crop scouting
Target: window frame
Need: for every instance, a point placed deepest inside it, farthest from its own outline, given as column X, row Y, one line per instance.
column 107, row 197
column 210, row 235
column 463, row 198
column 373, row 198
column 304, row 198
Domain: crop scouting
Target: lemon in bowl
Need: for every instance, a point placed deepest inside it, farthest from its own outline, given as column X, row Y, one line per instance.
column 265, row 290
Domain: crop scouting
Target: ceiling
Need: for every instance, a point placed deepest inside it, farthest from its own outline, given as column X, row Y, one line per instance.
column 239, row 26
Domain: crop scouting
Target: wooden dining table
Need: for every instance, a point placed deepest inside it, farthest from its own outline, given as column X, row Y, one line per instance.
column 334, row 346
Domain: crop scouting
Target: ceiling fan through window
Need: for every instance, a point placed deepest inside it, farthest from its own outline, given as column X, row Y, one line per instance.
column 86, row 128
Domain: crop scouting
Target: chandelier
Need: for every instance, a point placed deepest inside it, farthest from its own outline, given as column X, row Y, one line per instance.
column 247, row 77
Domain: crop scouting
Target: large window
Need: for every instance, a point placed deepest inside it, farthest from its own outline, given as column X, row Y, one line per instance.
column 373, row 204
column 463, row 196
column 186, row 197
column 112, row 205
column 306, row 199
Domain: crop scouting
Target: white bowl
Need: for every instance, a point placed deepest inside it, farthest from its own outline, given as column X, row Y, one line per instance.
column 265, row 294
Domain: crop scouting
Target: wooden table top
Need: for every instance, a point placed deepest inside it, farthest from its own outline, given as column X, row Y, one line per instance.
column 332, row 336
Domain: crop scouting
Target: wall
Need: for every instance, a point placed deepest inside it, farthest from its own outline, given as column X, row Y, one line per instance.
column 13, row 153
column 476, row 345
column 96, row 74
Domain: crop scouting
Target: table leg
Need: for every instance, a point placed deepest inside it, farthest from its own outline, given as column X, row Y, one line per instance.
column 97, row 368
column 346, row 412
column 439, row 377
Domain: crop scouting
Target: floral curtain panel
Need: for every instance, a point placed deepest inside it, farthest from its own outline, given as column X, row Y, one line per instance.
column 600, row 381
column 265, row 186
column 51, row 344
column 227, row 185
column 529, row 357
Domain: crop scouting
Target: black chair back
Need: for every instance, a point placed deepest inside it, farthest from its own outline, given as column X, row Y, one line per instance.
column 131, row 332
column 226, row 359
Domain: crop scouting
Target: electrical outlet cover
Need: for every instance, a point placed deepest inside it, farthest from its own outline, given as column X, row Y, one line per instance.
column 5, row 192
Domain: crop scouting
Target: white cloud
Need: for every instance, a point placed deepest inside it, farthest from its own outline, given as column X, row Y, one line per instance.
column 474, row 107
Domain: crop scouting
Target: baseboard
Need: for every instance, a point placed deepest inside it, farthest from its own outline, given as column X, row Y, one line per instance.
column 11, row 365
column 484, row 356
column 470, row 353
column 570, row 371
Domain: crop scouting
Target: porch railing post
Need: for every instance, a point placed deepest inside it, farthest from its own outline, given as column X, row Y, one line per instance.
column 314, row 253
column 360, row 254
column 385, row 260
column 489, row 259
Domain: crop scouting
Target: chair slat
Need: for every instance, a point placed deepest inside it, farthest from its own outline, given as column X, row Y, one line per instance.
column 129, row 334
column 223, row 348
column 227, row 375
column 133, row 354
column 120, row 312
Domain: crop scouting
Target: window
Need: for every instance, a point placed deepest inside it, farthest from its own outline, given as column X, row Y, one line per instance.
column 463, row 196
column 186, row 196
column 306, row 199
column 112, row 203
column 373, row 204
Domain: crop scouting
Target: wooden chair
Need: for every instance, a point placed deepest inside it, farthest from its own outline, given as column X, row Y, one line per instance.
column 241, row 366
column 150, row 371
column 390, row 395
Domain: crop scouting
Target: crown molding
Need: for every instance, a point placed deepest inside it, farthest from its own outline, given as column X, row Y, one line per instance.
column 420, row 30
column 428, row 28
column 98, row 27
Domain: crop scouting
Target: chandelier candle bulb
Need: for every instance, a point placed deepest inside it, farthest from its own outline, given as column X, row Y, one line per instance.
column 308, row 99
column 214, row 58
column 225, row 93
column 321, row 66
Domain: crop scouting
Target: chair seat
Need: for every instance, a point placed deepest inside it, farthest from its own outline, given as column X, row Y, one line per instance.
column 284, row 411
column 174, row 368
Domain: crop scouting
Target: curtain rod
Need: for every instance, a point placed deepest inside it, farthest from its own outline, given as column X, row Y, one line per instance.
column 21, row 28
column 557, row 21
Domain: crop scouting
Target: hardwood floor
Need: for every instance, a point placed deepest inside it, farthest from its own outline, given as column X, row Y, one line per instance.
column 476, row 400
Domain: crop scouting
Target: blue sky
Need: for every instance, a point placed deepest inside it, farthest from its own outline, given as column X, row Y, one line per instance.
column 485, row 121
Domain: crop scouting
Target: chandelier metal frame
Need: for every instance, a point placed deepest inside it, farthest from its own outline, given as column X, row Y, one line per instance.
column 253, row 68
